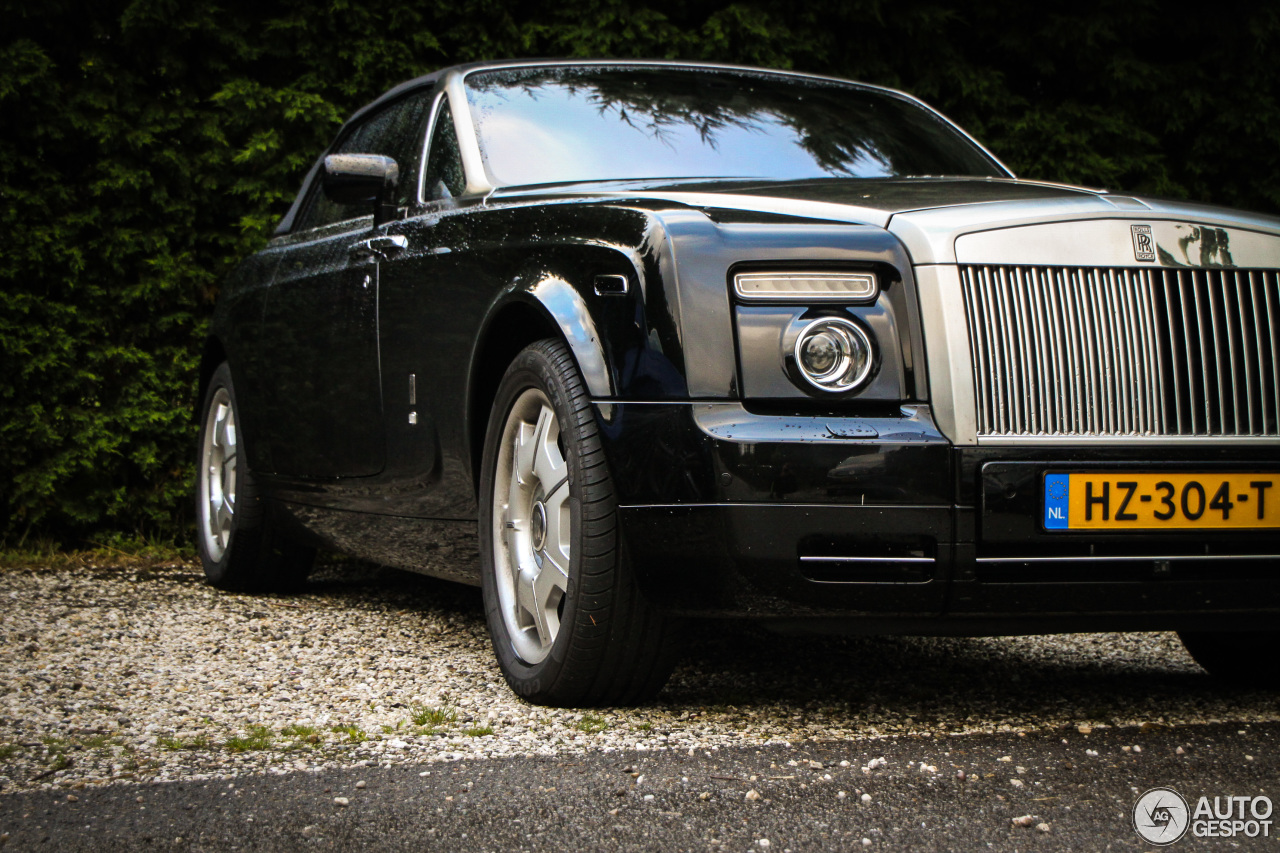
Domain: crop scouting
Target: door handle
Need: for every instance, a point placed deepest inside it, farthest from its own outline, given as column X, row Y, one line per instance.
column 379, row 248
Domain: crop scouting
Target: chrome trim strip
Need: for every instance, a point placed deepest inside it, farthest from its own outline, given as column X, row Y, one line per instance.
column 867, row 560
column 1010, row 440
column 1105, row 559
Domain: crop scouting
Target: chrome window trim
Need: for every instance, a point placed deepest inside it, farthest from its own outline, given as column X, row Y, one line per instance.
column 478, row 182
column 457, row 79
column 440, row 98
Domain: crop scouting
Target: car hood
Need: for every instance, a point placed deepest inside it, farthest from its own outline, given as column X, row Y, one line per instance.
column 930, row 215
column 864, row 201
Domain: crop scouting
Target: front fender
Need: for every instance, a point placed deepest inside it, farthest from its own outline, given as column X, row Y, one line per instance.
column 568, row 310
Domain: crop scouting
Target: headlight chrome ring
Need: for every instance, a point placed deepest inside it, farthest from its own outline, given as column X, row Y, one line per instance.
column 833, row 354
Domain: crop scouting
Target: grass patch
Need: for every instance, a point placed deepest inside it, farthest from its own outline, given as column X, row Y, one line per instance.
column 55, row 743
column 8, row 750
column 432, row 717
column 591, row 724
column 478, row 731
column 643, row 727
column 353, row 734
column 256, row 737
column 119, row 551
column 300, row 732
column 198, row 742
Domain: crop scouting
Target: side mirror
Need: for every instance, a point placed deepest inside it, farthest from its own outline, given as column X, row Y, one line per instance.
column 363, row 179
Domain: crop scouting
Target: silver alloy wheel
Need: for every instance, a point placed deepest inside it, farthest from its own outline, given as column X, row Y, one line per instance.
column 532, row 529
column 218, row 475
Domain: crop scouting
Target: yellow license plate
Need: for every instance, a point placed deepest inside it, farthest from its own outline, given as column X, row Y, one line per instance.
column 1131, row 501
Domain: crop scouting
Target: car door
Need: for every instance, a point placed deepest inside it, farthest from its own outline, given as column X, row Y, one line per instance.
column 430, row 311
column 320, row 322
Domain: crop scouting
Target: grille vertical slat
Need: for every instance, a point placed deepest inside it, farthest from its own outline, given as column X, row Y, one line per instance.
column 1046, row 343
column 1156, row 412
column 1090, row 354
column 997, row 387
column 1033, row 384
column 1268, row 286
column 1203, row 323
column 1080, row 351
column 1177, row 355
column 1244, row 317
column 1226, row 354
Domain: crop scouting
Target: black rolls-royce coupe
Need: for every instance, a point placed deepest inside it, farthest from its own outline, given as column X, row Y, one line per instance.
column 663, row 340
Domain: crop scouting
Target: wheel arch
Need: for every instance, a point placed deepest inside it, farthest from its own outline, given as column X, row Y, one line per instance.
column 549, row 308
column 212, row 354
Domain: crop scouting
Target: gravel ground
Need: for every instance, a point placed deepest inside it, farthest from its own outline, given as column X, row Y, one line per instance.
column 117, row 674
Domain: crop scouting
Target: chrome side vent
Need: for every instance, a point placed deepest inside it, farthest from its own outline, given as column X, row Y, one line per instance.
column 1114, row 352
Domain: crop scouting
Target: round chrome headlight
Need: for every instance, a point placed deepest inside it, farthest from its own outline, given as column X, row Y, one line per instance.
column 833, row 354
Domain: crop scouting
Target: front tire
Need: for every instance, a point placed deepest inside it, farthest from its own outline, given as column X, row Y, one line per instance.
column 240, row 544
column 568, row 623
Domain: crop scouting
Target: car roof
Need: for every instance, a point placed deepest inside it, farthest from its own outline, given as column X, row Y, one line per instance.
column 487, row 65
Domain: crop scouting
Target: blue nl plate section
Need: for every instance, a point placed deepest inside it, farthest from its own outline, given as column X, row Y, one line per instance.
column 1057, row 491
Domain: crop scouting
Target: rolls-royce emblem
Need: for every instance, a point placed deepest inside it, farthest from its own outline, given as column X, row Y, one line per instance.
column 1144, row 246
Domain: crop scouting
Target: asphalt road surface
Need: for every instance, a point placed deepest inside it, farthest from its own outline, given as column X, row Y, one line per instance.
column 1072, row 791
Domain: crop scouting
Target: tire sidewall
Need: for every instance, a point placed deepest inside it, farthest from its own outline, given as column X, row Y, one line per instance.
column 531, row 369
column 216, row 570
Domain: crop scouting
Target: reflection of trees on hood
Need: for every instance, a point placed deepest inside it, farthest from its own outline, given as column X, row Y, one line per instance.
column 847, row 131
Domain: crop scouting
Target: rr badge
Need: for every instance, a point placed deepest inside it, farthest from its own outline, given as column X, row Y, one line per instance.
column 1144, row 245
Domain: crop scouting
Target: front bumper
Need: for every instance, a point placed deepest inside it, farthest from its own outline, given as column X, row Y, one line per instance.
column 878, row 524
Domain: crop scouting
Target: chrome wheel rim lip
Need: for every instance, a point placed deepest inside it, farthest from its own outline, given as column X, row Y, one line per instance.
column 218, row 463
column 531, row 560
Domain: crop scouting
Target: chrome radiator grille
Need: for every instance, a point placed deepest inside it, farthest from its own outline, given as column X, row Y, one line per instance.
column 1084, row 351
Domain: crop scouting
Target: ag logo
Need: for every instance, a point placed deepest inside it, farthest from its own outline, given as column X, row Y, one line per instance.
column 1144, row 245
column 1160, row 816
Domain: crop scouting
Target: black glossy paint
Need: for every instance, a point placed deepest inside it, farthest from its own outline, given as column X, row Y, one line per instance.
column 318, row 382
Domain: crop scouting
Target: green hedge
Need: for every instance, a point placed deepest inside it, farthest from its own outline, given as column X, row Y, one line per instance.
column 149, row 144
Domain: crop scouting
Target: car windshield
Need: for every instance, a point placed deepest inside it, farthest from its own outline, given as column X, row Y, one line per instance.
column 570, row 124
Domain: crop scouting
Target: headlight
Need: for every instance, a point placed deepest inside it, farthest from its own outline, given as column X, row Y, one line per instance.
column 807, row 286
column 834, row 354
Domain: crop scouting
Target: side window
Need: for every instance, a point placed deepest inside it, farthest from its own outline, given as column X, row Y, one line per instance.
column 395, row 132
column 443, row 177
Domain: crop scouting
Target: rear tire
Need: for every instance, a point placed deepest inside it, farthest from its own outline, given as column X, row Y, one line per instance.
column 240, row 544
column 567, row 619
column 1247, row 658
